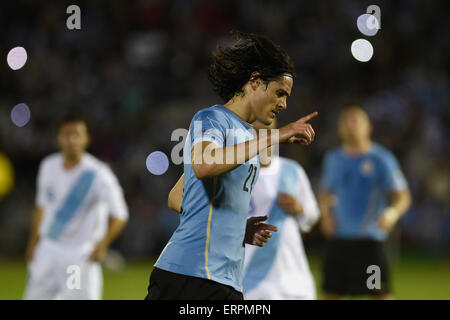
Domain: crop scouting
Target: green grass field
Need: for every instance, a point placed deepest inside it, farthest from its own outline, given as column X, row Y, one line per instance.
column 413, row 278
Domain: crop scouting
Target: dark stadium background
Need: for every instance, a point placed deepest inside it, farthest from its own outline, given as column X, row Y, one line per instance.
column 137, row 71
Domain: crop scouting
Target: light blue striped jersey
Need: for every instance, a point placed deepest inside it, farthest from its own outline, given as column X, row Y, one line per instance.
column 76, row 202
column 362, row 184
column 208, row 242
column 280, row 270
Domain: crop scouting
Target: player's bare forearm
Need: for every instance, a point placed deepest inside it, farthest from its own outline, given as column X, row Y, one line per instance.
column 327, row 223
column 38, row 213
column 290, row 204
column 401, row 201
column 115, row 227
column 326, row 201
column 176, row 195
column 210, row 160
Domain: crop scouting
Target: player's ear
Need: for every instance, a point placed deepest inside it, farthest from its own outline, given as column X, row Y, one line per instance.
column 255, row 80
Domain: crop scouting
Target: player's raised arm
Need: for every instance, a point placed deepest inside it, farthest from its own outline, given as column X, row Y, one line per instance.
column 176, row 195
column 209, row 160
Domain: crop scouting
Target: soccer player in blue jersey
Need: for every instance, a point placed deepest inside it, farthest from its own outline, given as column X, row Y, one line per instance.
column 364, row 195
column 204, row 257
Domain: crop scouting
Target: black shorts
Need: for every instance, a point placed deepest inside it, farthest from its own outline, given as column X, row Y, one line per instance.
column 346, row 267
column 165, row 285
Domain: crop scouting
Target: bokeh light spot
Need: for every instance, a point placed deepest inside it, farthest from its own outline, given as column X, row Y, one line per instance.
column 20, row 114
column 368, row 24
column 362, row 50
column 157, row 163
column 16, row 58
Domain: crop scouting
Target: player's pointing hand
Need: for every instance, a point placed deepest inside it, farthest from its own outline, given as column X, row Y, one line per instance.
column 298, row 131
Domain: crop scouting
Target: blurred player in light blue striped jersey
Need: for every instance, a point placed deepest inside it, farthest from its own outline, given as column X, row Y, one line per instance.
column 364, row 194
column 279, row 270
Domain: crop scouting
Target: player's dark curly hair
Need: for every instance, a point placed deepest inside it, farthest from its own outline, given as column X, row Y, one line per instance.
column 232, row 66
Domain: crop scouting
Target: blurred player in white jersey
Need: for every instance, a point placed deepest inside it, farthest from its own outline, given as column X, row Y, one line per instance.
column 80, row 209
column 279, row 270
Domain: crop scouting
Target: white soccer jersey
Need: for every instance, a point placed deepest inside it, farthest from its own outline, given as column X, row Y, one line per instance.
column 77, row 202
column 280, row 270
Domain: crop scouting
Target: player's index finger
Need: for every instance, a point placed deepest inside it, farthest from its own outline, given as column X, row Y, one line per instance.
column 260, row 218
column 309, row 116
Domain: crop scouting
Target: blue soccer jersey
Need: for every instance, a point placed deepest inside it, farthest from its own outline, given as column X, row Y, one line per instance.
column 362, row 184
column 208, row 242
